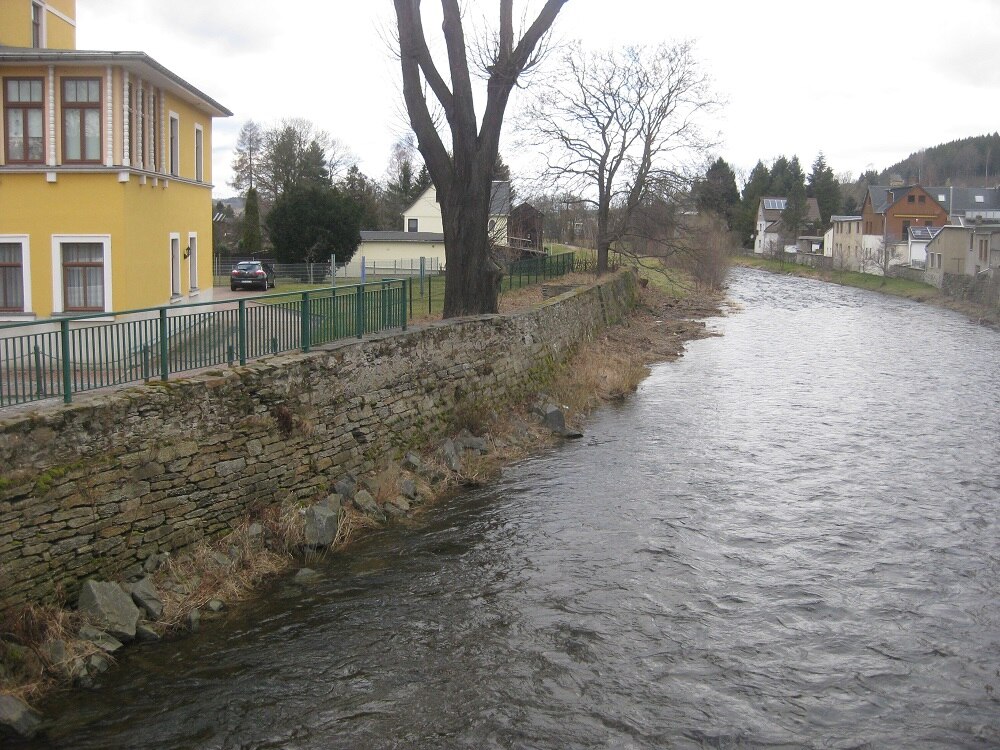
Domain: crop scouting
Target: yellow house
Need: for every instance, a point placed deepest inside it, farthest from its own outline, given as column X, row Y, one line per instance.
column 105, row 173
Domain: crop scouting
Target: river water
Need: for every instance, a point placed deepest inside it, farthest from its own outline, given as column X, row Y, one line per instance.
column 788, row 538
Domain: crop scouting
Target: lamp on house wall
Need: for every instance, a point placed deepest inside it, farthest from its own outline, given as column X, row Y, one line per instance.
column 187, row 252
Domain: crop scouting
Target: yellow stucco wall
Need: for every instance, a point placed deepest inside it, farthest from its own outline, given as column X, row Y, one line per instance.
column 138, row 219
column 58, row 33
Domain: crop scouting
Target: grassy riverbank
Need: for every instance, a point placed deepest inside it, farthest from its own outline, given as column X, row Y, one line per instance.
column 914, row 290
column 41, row 647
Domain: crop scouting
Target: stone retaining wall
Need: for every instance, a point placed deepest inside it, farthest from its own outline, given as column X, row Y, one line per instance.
column 94, row 488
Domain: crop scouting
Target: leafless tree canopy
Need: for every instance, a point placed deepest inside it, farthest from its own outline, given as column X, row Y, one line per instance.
column 462, row 169
column 618, row 128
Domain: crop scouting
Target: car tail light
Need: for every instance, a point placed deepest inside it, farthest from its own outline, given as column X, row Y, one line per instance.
column 261, row 273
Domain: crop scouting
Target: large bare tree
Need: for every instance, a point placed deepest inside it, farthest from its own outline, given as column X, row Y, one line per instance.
column 462, row 171
column 617, row 127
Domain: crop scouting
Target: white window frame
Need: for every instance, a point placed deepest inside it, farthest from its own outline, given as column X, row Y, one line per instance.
column 174, row 267
column 199, row 153
column 192, row 262
column 24, row 242
column 174, row 144
column 58, row 304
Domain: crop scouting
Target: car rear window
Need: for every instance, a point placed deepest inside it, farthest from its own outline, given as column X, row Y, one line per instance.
column 248, row 266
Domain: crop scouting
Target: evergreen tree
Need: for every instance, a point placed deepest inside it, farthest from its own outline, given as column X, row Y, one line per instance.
column 717, row 193
column 311, row 222
column 823, row 186
column 368, row 195
column 794, row 217
column 251, row 244
column 755, row 188
column 782, row 180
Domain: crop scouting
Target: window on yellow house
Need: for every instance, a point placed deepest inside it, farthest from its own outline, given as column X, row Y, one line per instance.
column 11, row 277
column 199, row 153
column 175, row 147
column 22, row 104
column 83, row 276
column 36, row 25
column 81, row 108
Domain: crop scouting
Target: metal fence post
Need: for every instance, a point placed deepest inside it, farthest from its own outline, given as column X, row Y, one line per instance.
column 407, row 287
column 67, row 373
column 164, row 346
column 241, row 331
column 359, row 311
column 384, row 304
column 306, row 332
column 39, row 380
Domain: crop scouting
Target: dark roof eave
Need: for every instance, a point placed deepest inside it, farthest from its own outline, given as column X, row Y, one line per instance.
column 50, row 56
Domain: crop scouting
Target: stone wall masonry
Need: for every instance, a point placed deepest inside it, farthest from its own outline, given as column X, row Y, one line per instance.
column 93, row 488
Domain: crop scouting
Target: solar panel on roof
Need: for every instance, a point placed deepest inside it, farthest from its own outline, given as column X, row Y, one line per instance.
column 772, row 204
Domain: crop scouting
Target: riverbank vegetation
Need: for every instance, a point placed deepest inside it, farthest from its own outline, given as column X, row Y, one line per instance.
column 44, row 647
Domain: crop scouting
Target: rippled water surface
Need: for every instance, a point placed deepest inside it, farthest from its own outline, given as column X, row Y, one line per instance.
column 788, row 538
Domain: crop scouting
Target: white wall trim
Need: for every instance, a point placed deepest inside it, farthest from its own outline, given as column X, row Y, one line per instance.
column 25, row 243
column 60, row 15
column 193, row 262
column 50, row 159
column 126, row 120
column 109, row 120
column 57, row 280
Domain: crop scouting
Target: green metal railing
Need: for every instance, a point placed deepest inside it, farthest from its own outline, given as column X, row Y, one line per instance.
column 533, row 270
column 73, row 354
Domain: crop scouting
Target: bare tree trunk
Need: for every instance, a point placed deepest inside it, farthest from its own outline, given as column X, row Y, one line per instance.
column 473, row 277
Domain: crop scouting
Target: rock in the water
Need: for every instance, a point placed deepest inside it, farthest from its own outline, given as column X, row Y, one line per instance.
column 17, row 718
column 321, row 525
column 451, row 457
column 109, row 608
column 366, row 503
column 99, row 638
column 553, row 418
column 146, row 598
column 98, row 663
column 145, row 633
column 306, row 575
column 216, row 605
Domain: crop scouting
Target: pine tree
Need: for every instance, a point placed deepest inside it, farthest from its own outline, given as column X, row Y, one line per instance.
column 716, row 192
column 823, row 186
column 251, row 244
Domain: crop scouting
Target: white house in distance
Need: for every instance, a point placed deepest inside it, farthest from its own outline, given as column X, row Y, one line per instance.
column 422, row 237
column 767, row 232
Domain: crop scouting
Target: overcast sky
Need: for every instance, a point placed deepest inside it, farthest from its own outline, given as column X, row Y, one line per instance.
column 866, row 83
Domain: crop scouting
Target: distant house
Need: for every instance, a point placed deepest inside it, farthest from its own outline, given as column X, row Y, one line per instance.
column 919, row 239
column 889, row 212
column 963, row 251
column 422, row 235
column 843, row 242
column 768, row 228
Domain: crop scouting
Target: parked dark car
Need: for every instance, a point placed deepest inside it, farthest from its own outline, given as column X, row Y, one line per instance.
column 252, row 274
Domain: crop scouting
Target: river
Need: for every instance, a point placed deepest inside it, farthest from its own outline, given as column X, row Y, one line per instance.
column 787, row 538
